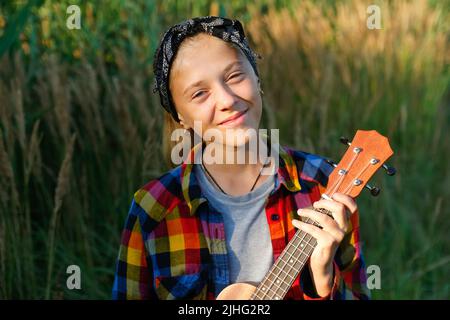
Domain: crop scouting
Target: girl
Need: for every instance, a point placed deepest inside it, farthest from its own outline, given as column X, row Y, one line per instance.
column 207, row 224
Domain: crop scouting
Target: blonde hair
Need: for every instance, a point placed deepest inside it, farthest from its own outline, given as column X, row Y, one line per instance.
column 169, row 126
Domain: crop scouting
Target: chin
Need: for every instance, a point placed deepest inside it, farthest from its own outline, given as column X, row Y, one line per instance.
column 239, row 137
column 239, row 141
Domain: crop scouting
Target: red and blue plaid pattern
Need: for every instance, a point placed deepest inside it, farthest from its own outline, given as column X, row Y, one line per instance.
column 173, row 243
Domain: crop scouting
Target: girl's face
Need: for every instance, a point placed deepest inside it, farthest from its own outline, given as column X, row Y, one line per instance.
column 211, row 82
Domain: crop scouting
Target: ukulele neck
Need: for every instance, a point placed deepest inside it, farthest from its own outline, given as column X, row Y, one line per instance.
column 289, row 264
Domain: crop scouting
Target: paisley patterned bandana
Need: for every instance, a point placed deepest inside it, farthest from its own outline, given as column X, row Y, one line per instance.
column 229, row 30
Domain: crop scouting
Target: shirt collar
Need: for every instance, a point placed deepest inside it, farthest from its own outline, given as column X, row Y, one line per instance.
column 287, row 175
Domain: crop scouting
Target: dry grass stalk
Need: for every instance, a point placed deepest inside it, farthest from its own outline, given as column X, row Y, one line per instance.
column 61, row 97
column 33, row 154
column 62, row 188
column 7, row 174
column 3, row 288
column 19, row 114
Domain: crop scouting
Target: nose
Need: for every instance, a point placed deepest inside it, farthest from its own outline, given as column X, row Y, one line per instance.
column 225, row 97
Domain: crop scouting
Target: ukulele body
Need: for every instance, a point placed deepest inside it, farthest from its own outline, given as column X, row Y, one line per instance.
column 237, row 291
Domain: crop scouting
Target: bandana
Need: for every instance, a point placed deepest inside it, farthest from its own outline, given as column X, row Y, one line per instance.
column 229, row 30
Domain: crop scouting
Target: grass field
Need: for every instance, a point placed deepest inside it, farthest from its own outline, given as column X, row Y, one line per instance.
column 80, row 129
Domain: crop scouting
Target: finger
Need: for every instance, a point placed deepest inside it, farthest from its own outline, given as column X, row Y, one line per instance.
column 348, row 201
column 317, row 233
column 327, row 223
column 337, row 209
column 324, row 220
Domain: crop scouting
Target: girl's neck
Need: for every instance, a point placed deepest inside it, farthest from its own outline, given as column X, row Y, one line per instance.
column 238, row 179
column 237, row 160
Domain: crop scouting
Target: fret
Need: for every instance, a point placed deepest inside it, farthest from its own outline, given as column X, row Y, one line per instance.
column 291, row 249
column 267, row 283
column 288, row 258
column 282, row 285
column 305, row 242
column 259, row 295
column 268, row 288
column 299, row 256
column 294, row 250
column 300, row 253
column 283, row 271
column 270, row 276
column 310, row 245
column 273, row 278
column 282, row 282
column 298, row 242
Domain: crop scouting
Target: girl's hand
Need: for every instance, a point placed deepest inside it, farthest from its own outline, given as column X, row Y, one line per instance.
column 328, row 238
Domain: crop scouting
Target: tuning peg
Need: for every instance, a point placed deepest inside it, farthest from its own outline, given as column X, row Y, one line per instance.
column 389, row 170
column 375, row 191
column 331, row 162
column 344, row 140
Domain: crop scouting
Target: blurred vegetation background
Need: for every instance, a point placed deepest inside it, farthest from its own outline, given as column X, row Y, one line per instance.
column 80, row 130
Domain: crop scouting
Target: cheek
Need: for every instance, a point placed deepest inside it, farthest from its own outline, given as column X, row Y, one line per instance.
column 247, row 90
column 202, row 113
column 251, row 94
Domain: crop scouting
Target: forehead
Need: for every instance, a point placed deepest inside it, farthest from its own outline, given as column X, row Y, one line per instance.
column 203, row 53
column 203, row 43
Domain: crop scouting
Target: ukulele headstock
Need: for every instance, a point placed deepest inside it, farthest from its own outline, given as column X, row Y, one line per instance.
column 368, row 152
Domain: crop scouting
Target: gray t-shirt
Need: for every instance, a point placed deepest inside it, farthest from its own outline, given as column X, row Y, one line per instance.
column 247, row 232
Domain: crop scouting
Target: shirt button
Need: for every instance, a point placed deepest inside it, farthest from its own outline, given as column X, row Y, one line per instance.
column 275, row 217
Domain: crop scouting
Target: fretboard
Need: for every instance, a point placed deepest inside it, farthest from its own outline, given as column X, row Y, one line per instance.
column 289, row 264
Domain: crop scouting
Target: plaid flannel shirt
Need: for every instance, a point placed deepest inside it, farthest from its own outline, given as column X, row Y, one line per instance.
column 173, row 243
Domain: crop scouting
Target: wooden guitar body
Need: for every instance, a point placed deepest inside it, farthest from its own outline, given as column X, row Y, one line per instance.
column 237, row 291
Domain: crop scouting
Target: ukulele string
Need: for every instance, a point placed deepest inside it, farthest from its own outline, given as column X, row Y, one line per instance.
column 282, row 268
column 350, row 187
column 293, row 261
column 342, row 177
column 272, row 284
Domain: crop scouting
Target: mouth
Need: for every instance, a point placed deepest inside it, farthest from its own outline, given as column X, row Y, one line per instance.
column 234, row 120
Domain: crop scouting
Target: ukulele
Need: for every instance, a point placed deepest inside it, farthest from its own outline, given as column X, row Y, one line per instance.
column 365, row 155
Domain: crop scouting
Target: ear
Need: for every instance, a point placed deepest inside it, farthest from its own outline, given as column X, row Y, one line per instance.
column 259, row 87
column 180, row 117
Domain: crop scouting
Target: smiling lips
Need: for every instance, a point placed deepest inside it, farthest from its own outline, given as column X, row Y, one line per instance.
column 234, row 119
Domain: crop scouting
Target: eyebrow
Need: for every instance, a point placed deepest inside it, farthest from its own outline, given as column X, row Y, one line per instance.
column 227, row 68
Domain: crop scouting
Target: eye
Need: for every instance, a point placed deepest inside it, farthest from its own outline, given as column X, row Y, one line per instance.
column 235, row 75
column 197, row 94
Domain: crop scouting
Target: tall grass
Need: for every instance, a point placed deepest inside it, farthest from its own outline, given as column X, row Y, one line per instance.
column 324, row 74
